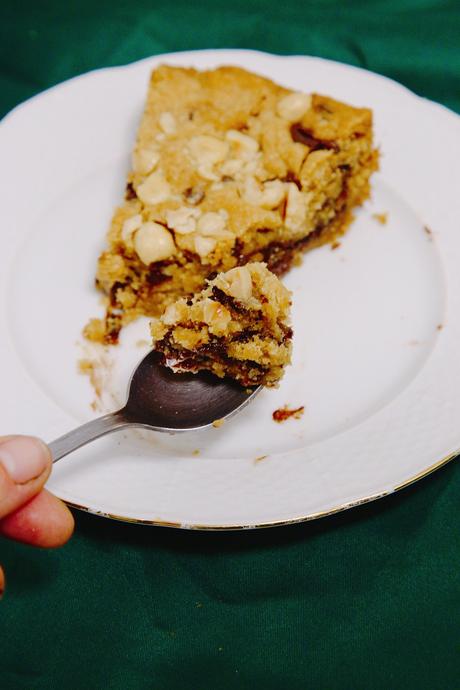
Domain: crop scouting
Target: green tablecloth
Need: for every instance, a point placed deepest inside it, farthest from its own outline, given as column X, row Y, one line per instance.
column 364, row 600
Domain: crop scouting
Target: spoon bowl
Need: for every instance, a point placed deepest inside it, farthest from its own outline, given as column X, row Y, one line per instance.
column 176, row 402
column 161, row 400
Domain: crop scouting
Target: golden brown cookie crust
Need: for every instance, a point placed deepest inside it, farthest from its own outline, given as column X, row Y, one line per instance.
column 228, row 168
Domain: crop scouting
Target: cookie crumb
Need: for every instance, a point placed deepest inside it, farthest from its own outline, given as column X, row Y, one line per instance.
column 428, row 231
column 284, row 413
column 217, row 423
column 97, row 365
column 87, row 368
column 95, row 330
column 440, row 326
column 336, row 245
column 259, row 458
column 381, row 218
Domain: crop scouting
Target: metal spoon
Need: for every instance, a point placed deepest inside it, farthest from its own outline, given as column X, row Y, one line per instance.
column 160, row 400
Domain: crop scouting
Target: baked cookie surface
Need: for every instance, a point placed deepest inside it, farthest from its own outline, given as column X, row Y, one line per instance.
column 228, row 168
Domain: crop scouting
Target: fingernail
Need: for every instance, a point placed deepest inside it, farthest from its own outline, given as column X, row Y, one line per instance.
column 24, row 458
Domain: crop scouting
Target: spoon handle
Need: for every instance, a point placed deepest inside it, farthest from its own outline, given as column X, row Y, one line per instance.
column 87, row 432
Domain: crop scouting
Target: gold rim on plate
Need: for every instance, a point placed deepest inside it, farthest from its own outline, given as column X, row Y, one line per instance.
column 265, row 525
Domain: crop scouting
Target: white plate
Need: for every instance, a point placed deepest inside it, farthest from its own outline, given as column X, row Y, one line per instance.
column 377, row 322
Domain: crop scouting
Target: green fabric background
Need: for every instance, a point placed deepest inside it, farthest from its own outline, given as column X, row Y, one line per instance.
column 365, row 600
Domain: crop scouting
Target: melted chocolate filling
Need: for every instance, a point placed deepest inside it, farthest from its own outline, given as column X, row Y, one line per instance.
column 213, row 351
column 228, row 301
column 304, row 136
column 130, row 192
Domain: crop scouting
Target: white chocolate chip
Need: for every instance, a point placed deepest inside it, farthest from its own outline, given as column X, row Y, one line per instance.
column 231, row 167
column 215, row 315
column 204, row 245
column 167, row 123
column 210, row 224
column 183, row 220
column 240, row 283
column 145, row 160
column 246, row 146
column 207, row 151
column 206, row 172
column 153, row 242
column 312, row 166
column 252, row 166
column 129, row 227
column 251, row 191
column 154, row 189
column 294, row 106
column 270, row 195
column 296, row 208
column 171, row 315
column 273, row 193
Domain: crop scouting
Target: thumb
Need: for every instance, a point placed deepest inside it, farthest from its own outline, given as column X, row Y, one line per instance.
column 25, row 464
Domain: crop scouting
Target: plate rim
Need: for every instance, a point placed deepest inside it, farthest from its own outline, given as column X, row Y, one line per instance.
column 309, row 517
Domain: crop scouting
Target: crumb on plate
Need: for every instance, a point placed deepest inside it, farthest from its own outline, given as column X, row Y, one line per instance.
column 284, row 413
column 381, row 218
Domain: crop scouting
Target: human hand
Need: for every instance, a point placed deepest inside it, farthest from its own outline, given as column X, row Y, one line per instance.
column 29, row 513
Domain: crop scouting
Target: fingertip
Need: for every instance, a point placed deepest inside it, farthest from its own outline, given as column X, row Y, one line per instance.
column 25, row 465
column 25, row 458
column 44, row 521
